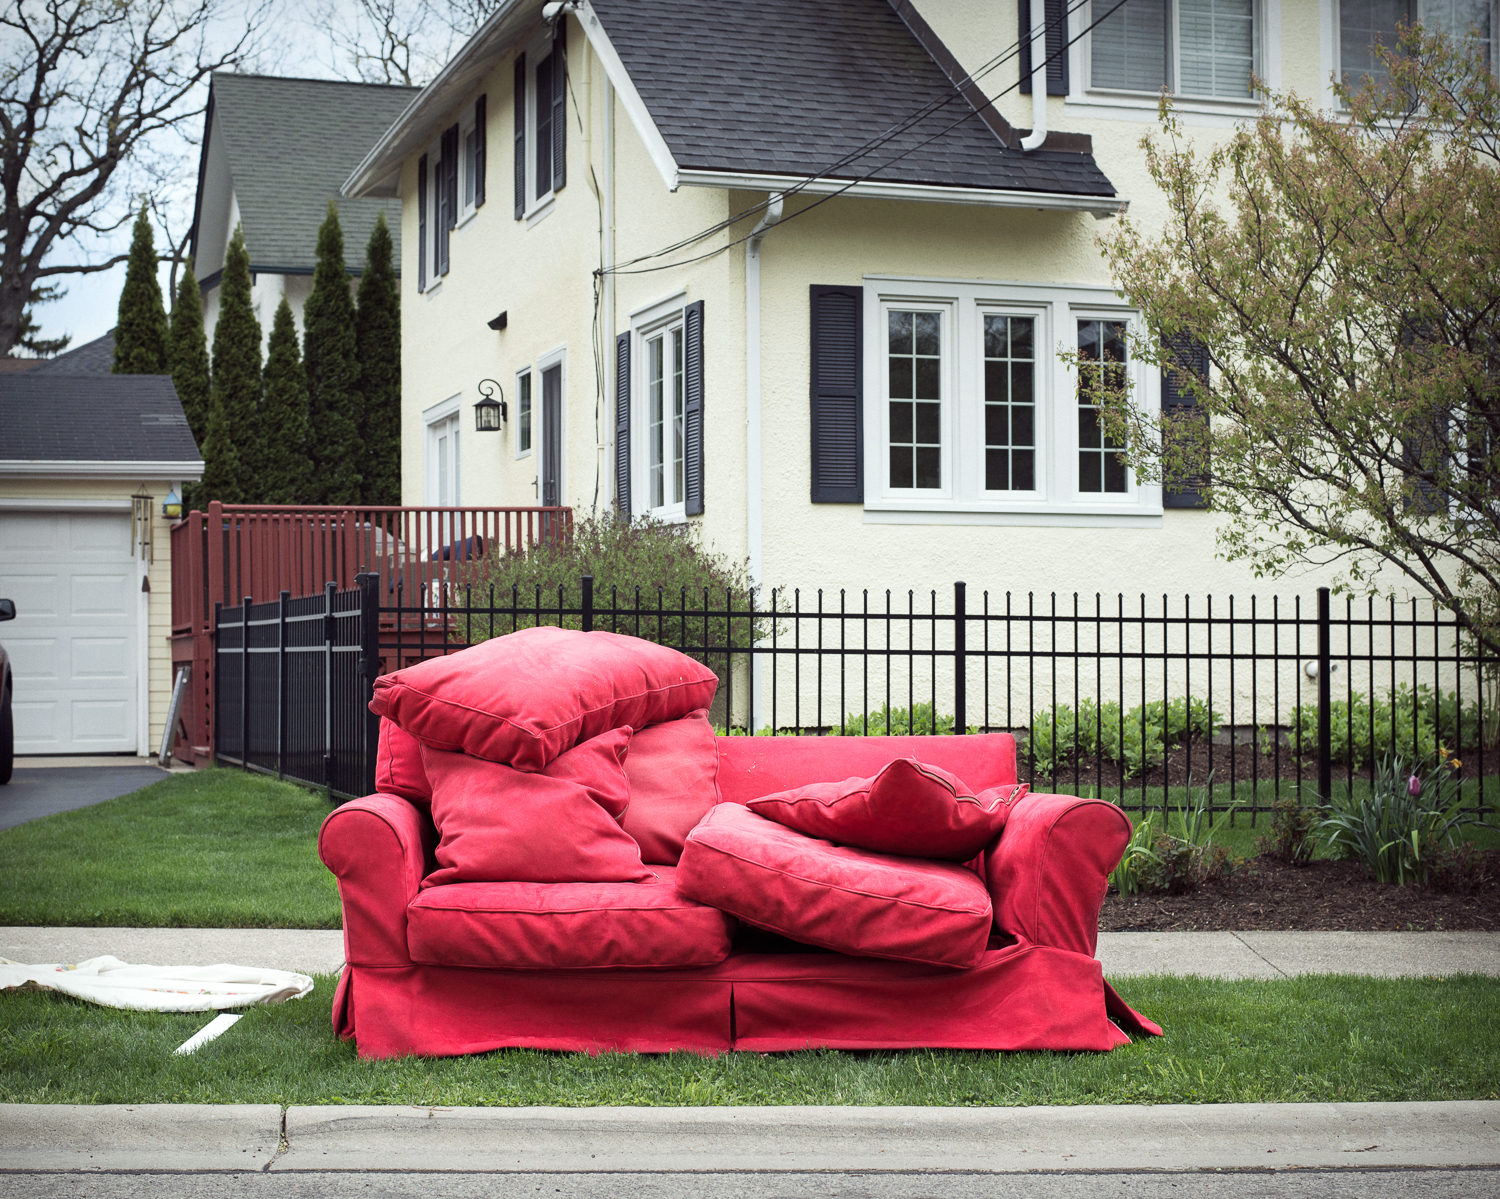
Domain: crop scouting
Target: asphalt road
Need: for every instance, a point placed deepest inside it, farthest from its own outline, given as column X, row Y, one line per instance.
column 1338, row 1184
column 41, row 791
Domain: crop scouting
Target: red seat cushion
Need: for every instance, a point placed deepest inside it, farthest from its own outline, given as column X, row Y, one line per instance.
column 906, row 808
column 498, row 824
column 673, row 770
column 849, row 900
column 525, row 698
column 398, row 765
column 566, row 926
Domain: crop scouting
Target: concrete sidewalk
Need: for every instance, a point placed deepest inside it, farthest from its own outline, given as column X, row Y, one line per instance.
column 1213, row 955
column 751, row 1140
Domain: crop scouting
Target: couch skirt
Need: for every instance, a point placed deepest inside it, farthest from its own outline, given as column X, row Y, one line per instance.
column 1019, row 997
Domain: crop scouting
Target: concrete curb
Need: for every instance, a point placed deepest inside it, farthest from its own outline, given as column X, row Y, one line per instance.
column 1169, row 1138
column 144, row 1136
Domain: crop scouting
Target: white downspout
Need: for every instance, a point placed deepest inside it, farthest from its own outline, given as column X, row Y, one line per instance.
column 607, row 288
column 1038, row 132
column 752, row 424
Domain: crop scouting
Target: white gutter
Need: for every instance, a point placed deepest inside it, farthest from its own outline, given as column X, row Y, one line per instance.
column 38, row 468
column 753, row 521
column 1100, row 206
column 1038, row 132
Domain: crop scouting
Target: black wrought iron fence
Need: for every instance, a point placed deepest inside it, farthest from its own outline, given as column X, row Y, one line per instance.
column 1132, row 699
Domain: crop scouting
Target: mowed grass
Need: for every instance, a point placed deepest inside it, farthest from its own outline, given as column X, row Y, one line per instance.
column 1315, row 1038
column 212, row 849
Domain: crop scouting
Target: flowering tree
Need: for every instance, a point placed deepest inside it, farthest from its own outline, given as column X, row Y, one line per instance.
column 1343, row 272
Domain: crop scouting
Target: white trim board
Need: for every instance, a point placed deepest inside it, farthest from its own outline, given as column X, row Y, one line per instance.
column 630, row 99
column 60, row 469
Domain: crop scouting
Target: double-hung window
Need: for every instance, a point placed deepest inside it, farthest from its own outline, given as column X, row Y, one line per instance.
column 450, row 188
column 659, row 411
column 1196, row 48
column 665, row 412
column 540, row 122
column 980, row 403
column 1365, row 24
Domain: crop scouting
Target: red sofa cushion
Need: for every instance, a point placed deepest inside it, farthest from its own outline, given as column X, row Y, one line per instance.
column 525, row 698
column 906, row 808
column 398, row 765
column 673, row 770
column 566, row 926
column 499, row 824
column 750, row 767
column 849, row 900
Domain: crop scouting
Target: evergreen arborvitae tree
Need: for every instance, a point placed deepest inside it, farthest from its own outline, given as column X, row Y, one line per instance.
column 378, row 347
column 141, row 330
column 232, row 450
column 189, row 354
column 30, row 336
column 288, row 471
column 328, row 354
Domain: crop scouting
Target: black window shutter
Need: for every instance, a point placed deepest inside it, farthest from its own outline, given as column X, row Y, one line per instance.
column 559, row 105
column 480, row 149
column 520, row 136
column 448, row 194
column 422, row 223
column 692, row 408
column 1179, row 402
column 1056, row 16
column 622, row 426
column 837, row 344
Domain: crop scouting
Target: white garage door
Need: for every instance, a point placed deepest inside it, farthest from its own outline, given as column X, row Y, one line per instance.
column 75, row 643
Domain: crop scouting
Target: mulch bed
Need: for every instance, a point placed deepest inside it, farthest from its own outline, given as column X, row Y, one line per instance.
column 1335, row 896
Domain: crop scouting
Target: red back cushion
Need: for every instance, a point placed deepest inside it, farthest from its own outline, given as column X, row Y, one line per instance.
column 848, row 900
column 672, row 770
column 525, row 698
column 906, row 808
column 499, row 824
column 750, row 767
column 398, row 765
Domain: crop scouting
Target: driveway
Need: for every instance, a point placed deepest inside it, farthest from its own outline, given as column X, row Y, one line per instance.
column 40, row 791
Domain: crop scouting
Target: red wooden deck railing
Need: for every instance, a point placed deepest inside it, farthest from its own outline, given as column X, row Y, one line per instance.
column 262, row 550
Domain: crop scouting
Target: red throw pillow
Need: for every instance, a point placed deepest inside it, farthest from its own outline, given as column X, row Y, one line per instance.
column 848, row 900
column 907, row 808
column 673, row 770
column 498, row 824
column 398, row 765
column 525, row 698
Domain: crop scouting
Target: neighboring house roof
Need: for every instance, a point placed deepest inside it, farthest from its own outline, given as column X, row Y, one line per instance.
column 94, row 421
column 95, row 357
column 836, row 76
column 750, row 95
column 16, row 366
column 287, row 145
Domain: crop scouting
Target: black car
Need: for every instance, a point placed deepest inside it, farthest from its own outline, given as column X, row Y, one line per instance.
column 7, row 723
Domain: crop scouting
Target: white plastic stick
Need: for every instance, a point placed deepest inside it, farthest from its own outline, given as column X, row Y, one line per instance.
column 219, row 1024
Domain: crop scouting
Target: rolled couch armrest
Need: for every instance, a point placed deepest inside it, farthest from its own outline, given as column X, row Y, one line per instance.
column 377, row 847
column 1049, row 870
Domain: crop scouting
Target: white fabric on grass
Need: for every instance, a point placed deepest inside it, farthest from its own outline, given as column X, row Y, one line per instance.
column 113, row 983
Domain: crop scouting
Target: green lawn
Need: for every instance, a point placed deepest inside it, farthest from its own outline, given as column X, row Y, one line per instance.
column 1322, row 1038
column 211, row 849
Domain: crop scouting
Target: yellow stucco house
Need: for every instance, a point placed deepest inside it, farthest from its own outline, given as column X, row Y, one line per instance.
column 804, row 272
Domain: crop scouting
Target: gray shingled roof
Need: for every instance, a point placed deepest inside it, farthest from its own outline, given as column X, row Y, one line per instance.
column 95, row 357
column 789, row 87
column 291, row 144
column 93, row 418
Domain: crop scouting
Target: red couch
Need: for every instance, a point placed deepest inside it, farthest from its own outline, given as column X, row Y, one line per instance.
column 420, row 981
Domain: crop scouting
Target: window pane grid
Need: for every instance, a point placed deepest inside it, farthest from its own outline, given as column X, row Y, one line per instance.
column 1009, row 403
column 1101, row 362
column 657, row 432
column 523, row 405
column 678, row 399
column 915, row 362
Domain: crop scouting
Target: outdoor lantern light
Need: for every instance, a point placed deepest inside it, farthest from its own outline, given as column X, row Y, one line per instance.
column 171, row 507
column 489, row 412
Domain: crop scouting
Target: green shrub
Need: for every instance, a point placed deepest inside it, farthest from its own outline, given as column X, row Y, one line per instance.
column 1406, row 824
column 1139, row 859
column 1292, row 835
column 673, row 589
column 1407, row 722
column 1137, row 742
column 885, row 721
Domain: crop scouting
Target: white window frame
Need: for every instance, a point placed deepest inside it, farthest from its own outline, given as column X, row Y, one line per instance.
column 1057, row 500
column 529, row 427
column 544, row 363
column 1212, row 111
column 441, row 414
column 537, row 207
column 1332, row 35
column 658, row 317
column 949, row 376
column 467, row 176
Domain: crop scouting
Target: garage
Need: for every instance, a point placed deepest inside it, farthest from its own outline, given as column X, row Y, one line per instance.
column 75, row 645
